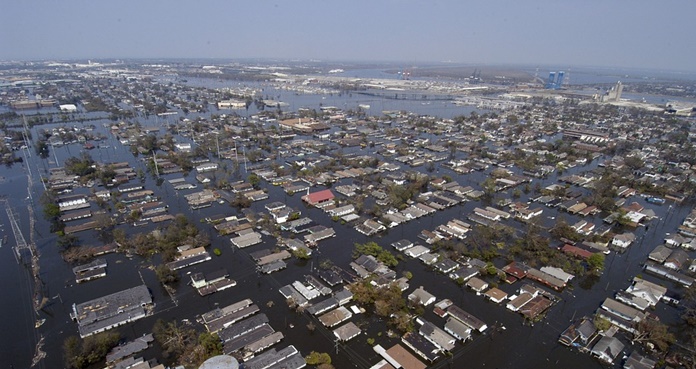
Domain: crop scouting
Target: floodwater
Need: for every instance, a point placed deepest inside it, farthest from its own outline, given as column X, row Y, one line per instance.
column 378, row 100
column 518, row 346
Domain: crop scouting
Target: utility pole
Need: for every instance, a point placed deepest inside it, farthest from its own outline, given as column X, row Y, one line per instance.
column 154, row 159
column 53, row 149
column 30, row 181
column 245, row 159
column 25, row 132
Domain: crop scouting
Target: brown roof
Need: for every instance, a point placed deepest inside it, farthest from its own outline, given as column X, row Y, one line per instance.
column 514, row 270
column 405, row 358
column 496, row 293
column 535, row 306
column 576, row 251
column 634, row 206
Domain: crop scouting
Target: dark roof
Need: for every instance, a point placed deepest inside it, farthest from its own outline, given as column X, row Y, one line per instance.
column 638, row 361
column 242, row 327
column 220, row 273
column 610, row 346
column 421, row 346
column 466, row 318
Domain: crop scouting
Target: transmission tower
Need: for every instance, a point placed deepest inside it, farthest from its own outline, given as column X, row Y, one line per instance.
column 22, row 250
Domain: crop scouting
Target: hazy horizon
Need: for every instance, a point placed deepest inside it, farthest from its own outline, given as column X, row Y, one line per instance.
column 622, row 34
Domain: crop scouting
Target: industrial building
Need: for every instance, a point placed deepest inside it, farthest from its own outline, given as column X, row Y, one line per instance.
column 112, row 310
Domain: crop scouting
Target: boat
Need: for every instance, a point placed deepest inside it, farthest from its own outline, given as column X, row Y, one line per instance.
column 39, row 323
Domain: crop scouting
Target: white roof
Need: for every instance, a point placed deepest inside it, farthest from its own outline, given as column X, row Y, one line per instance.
column 558, row 273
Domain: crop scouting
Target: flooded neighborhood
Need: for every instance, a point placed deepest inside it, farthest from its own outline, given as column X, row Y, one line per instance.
column 157, row 214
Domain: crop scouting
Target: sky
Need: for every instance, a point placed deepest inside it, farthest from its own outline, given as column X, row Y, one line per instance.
column 614, row 33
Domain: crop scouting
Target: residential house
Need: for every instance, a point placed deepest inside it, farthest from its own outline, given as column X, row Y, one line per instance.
column 457, row 329
column 424, row 348
column 528, row 214
column 446, row 265
column 397, row 356
column 465, row 273
column 676, row 260
column 477, row 284
column 420, row 295
column 638, row 361
column 557, row 273
column 623, row 240
column 496, row 295
column 579, row 334
column 660, row 253
column 416, row 251
column 651, row 292
column 402, row 245
column 516, row 302
column 677, row 240
column 466, row 318
column 535, row 307
column 545, row 278
column 620, row 314
column 341, row 210
column 428, row 258
column 437, row 336
column 607, row 349
column 576, row 251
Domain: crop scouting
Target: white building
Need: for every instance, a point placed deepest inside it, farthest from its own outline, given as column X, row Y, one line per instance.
column 68, row 108
column 623, row 240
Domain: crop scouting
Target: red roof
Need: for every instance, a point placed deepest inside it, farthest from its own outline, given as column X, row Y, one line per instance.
column 514, row 270
column 576, row 251
column 318, row 197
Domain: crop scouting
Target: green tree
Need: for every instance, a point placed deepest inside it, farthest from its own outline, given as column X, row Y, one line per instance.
column 211, row 343
column 655, row 332
column 596, row 263
column 82, row 166
column 318, row 358
column 490, row 269
column 91, row 350
column 488, row 186
column 174, row 339
column 41, row 148
column 72, row 352
column 601, row 323
column 301, row 253
column 254, row 179
column 373, row 249
column 66, row 241
column 51, row 211
column 563, row 230
column 166, row 275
